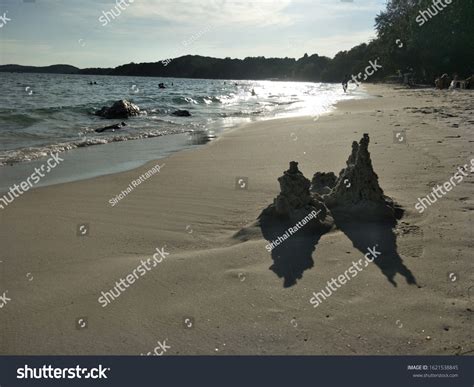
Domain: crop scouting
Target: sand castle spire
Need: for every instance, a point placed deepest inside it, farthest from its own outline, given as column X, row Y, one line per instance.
column 358, row 181
column 294, row 191
column 294, row 201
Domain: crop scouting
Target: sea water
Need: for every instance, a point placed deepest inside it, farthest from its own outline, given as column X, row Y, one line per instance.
column 44, row 113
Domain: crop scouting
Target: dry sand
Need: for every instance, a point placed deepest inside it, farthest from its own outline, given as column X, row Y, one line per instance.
column 223, row 282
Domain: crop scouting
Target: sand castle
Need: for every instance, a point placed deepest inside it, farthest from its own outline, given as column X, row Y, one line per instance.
column 354, row 194
column 295, row 200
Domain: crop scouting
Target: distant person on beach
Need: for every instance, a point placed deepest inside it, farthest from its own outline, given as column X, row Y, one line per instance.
column 253, row 92
column 470, row 82
column 454, row 83
column 345, row 81
column 162, row 86
column 442, row 82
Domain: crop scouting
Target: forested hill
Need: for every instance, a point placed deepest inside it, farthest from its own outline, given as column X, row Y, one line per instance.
column 193, row 66
column 54, row 69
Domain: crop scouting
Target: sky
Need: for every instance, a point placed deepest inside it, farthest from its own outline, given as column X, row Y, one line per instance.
column 85, row 33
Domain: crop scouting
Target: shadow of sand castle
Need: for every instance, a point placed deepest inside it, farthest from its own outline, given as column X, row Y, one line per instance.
column 295, row 254
column 366, row 235
column 362, row 211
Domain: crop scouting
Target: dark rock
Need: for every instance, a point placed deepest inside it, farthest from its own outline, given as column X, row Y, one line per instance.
column 120, row 109
column 181, row 113
column 111, row 127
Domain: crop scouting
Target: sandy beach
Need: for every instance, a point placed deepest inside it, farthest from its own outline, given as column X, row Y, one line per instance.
column 214, row 292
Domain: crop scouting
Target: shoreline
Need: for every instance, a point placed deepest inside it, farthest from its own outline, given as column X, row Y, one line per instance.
column 220, row 277
column 118, row 151
column 95, row 161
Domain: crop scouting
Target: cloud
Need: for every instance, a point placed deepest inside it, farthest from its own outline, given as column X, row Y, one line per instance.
column 327, row 7
column 54, row 31
column 331, row 45
column 269, row 12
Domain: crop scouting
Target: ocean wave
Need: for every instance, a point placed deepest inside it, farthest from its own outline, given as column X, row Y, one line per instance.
column 283, row 103
column 20, row 119
column 31, row 153
column 241, row 113
column 198, row 99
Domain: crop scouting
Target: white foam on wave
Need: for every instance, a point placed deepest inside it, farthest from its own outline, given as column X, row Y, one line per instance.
column 33, row 153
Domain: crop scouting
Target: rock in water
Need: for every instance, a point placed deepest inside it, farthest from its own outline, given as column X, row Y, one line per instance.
column 120, row 109
column 181, row 113
column 111, row 127
column 357, row 188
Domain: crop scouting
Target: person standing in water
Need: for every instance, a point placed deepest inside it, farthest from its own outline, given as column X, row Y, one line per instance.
column 345, row 82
